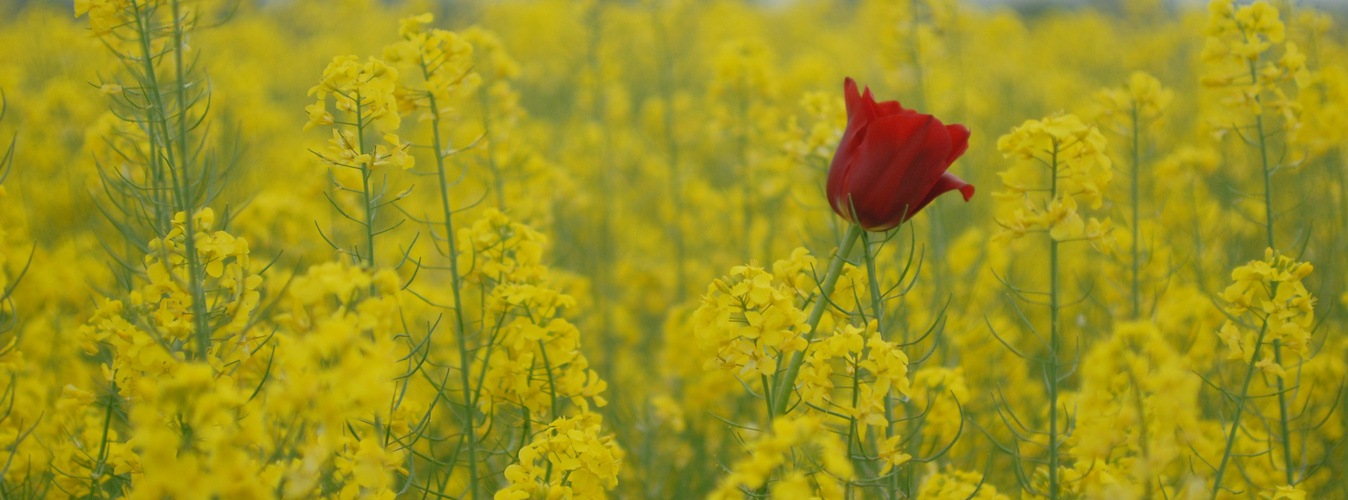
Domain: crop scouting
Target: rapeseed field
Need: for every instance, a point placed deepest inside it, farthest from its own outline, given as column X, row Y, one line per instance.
column 668, row 249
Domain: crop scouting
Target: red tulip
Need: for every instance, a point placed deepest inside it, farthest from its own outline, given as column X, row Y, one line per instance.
column 892, row 162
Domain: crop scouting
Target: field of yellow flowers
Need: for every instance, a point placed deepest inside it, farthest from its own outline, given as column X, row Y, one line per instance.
column 672, row 249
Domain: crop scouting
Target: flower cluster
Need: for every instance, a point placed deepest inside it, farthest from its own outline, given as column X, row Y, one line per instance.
column 1136, row 410
column 1271, row 292
column 516, row 210
column 1063, row 158
column 368, row 94
column 443, row 58
column 496, row 249
column 748, row 321
column 156, row 322
column 1239, row 39
column 1143, row 99
column 104, row 15
column 569, row 459
column 538, row 362
column 873, row 367
column 792, row 440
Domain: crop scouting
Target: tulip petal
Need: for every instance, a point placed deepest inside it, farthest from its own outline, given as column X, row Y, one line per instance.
column 888, row 108
column 959, row 142
column 896, row 165
column 878, row 109
column 947, row 183
column 853, row 98
column 891, row 162
column 857, row 118
column 868, row 102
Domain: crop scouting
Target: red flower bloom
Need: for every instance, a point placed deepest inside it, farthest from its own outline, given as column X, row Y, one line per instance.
column 892, row 162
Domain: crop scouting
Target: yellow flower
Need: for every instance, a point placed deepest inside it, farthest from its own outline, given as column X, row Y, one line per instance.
column 891, row 455
column 1079, row 168
column 1270, row 291
column 1262, row 18
column 789, row 436
column 582, row 464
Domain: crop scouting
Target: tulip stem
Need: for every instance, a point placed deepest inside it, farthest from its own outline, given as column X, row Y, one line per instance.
column 784, row 388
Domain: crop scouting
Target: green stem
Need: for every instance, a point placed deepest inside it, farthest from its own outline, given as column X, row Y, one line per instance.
column 1286, row 440
column 607, row 251
column 1143, row 436
column 365, row 172
column 470, row 432
column 179, row 184
column 915, row 42
column 552, row 382
column 1137, row 220
column 1240, row 408
column 1053, row 349
column 497, row 177
column 746, row 175
column 878, row 313
column 1335, row 162
column 1053, row 373
column 552, row 389
column 162, row 207
column 852, row 427
column 98, row 470
column 767, row 396
column 935, row 222
column 671, row 141
column 784, row 388
column 1334, row 159
column 185, row 202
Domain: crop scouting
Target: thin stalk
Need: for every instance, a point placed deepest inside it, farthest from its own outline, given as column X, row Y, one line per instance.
column 1335, row 162
column 552, row 382
column 185, row 203
column 783, row 393
column 1139, row 405
column 852, row 424
column 878, row 314
column 455, row 283
column 163, row 219
column 1240, row 408
column 746, row 175
column 97, row 471
column 1137, row 231
column 675, row 180
column 915, row 42
column 1286, row 440
column 552, row 389
column 767, row 396
column 935, row 222
column 365, row 172
column 607, row 253
column 497, row 177
column 177, row 158
column 1053, row 348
